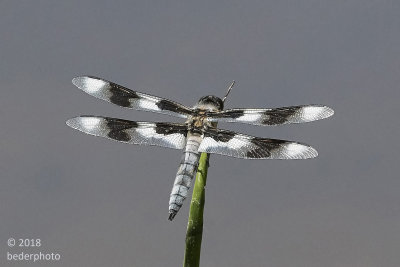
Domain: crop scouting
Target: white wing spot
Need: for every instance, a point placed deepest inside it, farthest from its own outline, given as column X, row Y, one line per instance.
column 147, row 102
column 89, row 123
column 146, row 132
column 250, row 116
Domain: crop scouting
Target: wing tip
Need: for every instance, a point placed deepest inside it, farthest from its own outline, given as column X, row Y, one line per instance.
column 298, row 151
column 308, row 152
column 77, row 81
column 76, row 123
column 71, row 122
column 311, row 153
column 84, row 123
column 327, row 112
column 89, row 84
column 315, row 112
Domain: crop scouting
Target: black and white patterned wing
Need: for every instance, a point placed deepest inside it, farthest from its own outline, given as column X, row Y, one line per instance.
column 124, row 97
column 171, row 135
column 274, row 116
column 244, row 146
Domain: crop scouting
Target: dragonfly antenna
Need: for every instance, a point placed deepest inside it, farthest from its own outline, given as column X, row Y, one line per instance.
column 229, row 90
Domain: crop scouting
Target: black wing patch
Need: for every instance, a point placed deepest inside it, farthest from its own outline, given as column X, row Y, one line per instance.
column 249, row 147
column 276, row 116
column 172, row 135
column 124, row 97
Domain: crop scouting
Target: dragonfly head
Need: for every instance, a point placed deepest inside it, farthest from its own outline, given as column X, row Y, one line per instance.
column 210, row 102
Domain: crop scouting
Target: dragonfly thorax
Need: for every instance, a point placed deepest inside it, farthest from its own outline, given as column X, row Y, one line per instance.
column 198, row 124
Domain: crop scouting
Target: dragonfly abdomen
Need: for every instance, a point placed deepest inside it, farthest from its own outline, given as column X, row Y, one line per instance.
column 186, row 172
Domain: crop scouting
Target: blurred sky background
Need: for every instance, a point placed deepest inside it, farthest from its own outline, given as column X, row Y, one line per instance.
column 102, row 203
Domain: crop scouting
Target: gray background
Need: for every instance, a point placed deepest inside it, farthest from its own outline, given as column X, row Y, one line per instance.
column 101, row 203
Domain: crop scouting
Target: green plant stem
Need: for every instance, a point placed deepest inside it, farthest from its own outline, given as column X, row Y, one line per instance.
column 194, row 230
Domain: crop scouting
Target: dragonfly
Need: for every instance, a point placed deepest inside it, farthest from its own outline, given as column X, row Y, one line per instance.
column 198, row 134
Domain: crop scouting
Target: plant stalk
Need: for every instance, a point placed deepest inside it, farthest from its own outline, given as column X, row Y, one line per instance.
column 194, row 230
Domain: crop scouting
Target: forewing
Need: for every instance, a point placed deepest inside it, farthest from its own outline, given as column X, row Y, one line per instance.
column 124, row 97
column 172, row 135
column 275, row 116
column 244, row 146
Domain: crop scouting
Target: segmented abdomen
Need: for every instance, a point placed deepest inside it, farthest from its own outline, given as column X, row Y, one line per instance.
column 186, row 172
